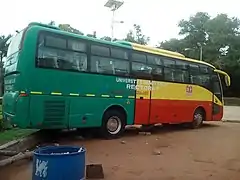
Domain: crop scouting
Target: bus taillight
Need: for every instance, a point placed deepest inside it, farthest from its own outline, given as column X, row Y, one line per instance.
column 23, row 94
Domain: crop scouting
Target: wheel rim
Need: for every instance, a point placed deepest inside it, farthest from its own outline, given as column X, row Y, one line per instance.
column 114, row 125
column 198, row 118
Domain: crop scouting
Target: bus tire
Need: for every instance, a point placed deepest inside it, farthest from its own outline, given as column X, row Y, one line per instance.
column 198, row 118
column 113, row 124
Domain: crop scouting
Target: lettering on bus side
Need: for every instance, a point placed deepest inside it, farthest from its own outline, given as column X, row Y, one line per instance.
column 189, row 90
column 145, row 85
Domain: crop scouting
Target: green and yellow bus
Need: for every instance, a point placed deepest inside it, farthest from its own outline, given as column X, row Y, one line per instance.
column 56, row 80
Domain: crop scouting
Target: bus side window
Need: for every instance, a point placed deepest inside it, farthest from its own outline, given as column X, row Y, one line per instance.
column 169, row 74
column 181, row 75
column 194, row 74
column 181, row 72
column 205, row 80
column 139, row 65
column 109, row 66
column 47, row 58
column 119, row 53
column 169, row 69
column 53, row 55
column 141, row 69
column 155, row 63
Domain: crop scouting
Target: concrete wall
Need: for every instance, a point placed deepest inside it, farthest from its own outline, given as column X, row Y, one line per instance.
column 231, row 113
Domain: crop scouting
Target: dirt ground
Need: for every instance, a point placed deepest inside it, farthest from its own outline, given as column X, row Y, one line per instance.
column 209, row 153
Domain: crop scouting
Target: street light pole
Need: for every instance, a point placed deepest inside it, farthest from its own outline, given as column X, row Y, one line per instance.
column 113, row 5
column 201, row 50
column 112, row 24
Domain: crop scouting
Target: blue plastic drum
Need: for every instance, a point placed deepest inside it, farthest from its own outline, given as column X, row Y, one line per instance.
column 59, row 163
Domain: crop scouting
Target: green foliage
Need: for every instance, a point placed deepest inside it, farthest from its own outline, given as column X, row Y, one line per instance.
column 1, row 120
column 66, row 27
column 4, row 45
column 69, row 28
column 14, row 134
column 94, row 35
column 136, row 36
column 220, row 40
column 106, row 38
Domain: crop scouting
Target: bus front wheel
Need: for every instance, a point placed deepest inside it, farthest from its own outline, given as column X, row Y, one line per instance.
column 113, row 124
column 198, row 118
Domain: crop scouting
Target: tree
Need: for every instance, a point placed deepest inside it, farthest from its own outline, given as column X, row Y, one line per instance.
column 106, row 38
column 94, row 35
column 4, row 45
column 3, row 53
column 66, row 27
column 69, row 28
column 136, row 36
column 52, row 23
column 193, row 31
column 220, row 39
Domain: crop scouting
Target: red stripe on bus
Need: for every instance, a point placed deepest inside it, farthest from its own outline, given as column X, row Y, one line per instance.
column 170, row 111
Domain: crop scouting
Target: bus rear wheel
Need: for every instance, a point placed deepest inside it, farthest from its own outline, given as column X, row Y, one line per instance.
column 198, row 118
column 113, row 124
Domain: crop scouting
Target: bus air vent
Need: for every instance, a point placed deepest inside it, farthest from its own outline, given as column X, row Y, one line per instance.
column 54, row 112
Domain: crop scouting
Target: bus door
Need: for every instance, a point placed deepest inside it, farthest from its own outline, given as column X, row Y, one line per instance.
column 217, row 108
column 142, row 104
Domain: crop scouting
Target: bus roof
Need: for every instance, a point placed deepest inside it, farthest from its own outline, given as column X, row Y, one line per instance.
column 125, row 44
column 58, row 30
column 163, row 52
column 150, row 49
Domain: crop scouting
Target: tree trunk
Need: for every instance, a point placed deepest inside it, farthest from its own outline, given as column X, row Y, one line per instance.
column 8, row 153
column 19, row 156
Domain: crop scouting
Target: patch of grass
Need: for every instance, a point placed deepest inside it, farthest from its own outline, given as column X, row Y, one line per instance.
column 14, row 134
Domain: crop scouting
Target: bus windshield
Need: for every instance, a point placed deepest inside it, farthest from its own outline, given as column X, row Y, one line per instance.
column 14, row 45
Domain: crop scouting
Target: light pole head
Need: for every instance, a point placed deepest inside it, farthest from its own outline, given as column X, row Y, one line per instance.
column 120, row 22
column 114, row 4
column 199, row 44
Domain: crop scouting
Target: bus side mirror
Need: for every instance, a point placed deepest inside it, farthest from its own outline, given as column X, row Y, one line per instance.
column 227, row 80
column 226, row 76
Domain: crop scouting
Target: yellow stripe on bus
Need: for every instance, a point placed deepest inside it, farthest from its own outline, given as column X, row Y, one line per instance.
column 104, row 95
column 118, row 96
column 90, row 95
column 56, row 93
column 74, row 94
column 36, row 92
column 131, row 97
column 22, row 92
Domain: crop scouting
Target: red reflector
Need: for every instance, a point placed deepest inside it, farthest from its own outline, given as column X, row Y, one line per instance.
column 23, row 95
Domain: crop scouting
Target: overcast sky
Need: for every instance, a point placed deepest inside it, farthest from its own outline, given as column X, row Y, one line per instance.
column 157, row 18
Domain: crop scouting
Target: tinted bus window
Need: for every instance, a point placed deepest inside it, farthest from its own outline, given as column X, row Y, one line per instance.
column 139, row 57
column 154, row 60
column 77, row 46
column 194, row 68
column 141, row 69
column 169, row 63
column 109, row 66
column 181, row 75
column 181, row 64
column 100, row 50
column 55, row 42
column 119, row 53
column 50, row 56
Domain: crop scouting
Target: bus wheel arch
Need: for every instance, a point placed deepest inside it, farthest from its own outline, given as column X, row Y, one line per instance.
column 199, row 116
column 114, row 120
